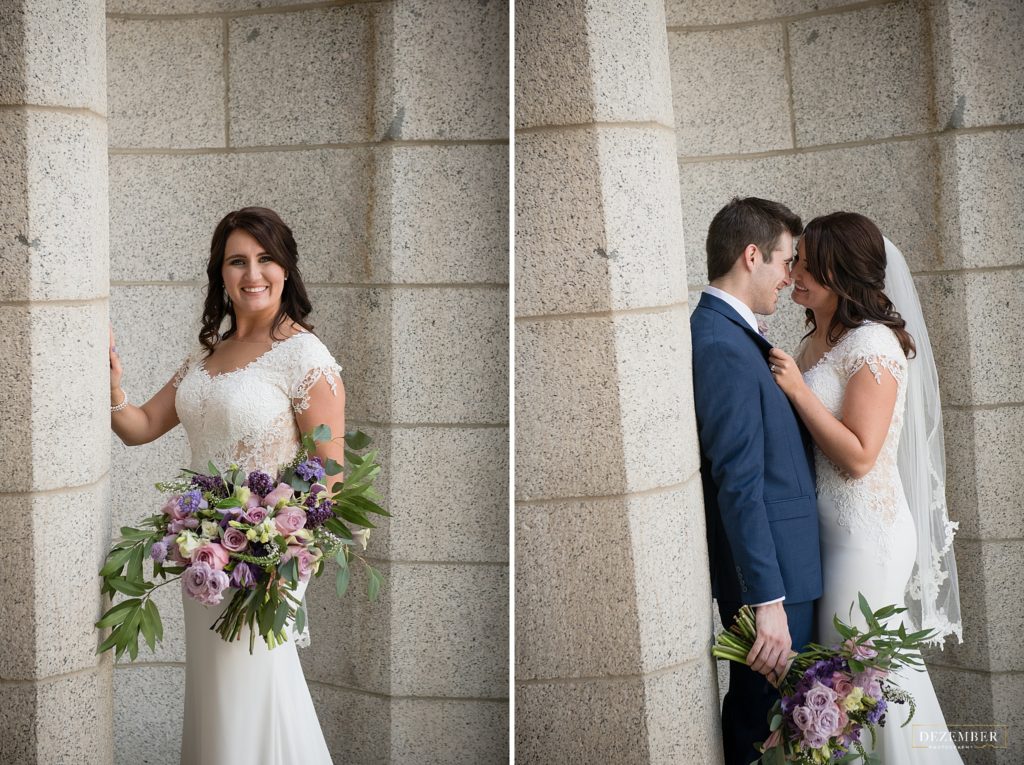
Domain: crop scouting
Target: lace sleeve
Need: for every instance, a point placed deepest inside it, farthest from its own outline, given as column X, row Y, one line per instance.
column 876, row 346
column 183, row 370
column 313, row 363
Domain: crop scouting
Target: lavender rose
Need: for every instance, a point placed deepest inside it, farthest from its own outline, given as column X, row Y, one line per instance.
column 158, row 552
column 803, row 718
column 234, row 539
column 289, row 520
column 204, row 583
column 255, row 515
column 860, row 651
column 826, row 721
column 819, row 697
column 280, row 494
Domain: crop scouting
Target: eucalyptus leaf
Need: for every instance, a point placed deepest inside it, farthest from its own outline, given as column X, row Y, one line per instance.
column 341, row 583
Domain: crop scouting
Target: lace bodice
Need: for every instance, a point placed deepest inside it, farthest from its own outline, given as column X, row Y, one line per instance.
column 870, row 504
column 247, row 416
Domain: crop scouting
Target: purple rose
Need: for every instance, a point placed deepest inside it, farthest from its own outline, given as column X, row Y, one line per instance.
column 826, row 721
column 242, row 577
column 234, row 539
column 204, row 583
column 860, row 651
column 282, row 493
column 177, row 526
column 814, row 740
column 289, row 520
column 158, row 552
column 803, row 718
column 255, row 515
column 819, row 697
column 212, row 554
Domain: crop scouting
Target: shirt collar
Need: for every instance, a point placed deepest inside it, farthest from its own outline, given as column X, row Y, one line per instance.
column 736, row 304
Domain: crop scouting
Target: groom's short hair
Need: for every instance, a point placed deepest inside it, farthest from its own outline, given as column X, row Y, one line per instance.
column 747, row 221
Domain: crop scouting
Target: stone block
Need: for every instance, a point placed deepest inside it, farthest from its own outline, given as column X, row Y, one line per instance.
column 300, row 78
column 350, row 637
column 68, row 719
column 979, row 82
column 622, row 720
column 449, row 732
column 135, row 470
column 49, row 589
column 149, row 703
column 57, row 54
column 887, row 93
column 461, row 612
column 992, row 613
column 168, row 7
column 994, row 303
column 155, row 328
column 53, row 214
column 944, row 305
column 716, row 76
column 442, row 70
column 597, row 218
column 452, row 506
column 575, row 620
column 984, row 481
column 164, row 210
column 584, row 425
column 894, row 184
column 687, row 13
column 578, row 64
column 983, row 199
column 55, row 378
column 969, row 697
column 440, row 214
column 355, row 724
column 166, row 82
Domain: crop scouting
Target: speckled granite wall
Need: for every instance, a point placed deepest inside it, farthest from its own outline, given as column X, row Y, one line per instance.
column 53, row 426
column 612, row 599
column 378, row 130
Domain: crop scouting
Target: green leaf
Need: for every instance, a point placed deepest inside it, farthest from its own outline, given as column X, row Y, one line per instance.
column 290, row 570
column 331, row 467
column 125, row 587
column 342, row 581
column 212, row 468
column 280, row 616
column 110, row 642
column 300, row 619
column 115, row 561
column 148, row 632
column 341, row 558
column 357, row 440
column 154, row 615
column 117, row 614
column 134, row 573
column 856, row 666
column 775, row 723
column 321, row 433
column 298, row 484
column 373, row 586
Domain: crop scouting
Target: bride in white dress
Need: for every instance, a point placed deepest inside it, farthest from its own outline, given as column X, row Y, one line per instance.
column 876, row 447
column 267, row 379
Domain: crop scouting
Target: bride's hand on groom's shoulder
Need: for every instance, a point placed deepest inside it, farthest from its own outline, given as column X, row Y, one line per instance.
column 785, row 371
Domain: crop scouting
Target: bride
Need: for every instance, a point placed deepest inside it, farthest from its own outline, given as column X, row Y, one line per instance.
column 244, row 397
column 876, row 423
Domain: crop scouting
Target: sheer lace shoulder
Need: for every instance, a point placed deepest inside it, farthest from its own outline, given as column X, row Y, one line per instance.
column 303, row 362
column 876, row 346
column 190, row 361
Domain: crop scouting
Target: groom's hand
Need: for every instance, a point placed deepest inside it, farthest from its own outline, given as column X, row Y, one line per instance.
column 770, row 652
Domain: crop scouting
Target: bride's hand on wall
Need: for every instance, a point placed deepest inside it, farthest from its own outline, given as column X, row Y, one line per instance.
column 116, row 372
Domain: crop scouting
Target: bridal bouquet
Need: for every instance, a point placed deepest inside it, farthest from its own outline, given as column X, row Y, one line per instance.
column 258, row 534
column 830, row 696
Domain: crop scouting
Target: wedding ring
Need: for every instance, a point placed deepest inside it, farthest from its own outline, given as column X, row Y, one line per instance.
column 773, row 368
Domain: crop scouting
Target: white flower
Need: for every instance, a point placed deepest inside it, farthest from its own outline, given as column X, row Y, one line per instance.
column 362, row 536
column 187, row 541
column 210, row 530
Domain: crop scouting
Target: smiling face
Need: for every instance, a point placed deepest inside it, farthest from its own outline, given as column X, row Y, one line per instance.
column 253, row 280
column 808, row 291
column 768, row 279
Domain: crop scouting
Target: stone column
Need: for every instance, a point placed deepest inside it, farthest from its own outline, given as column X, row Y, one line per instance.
column 613, row 609
column 974, row 302
column 54, row 492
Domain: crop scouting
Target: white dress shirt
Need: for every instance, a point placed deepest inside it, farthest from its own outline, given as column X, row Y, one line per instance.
column 748, row 316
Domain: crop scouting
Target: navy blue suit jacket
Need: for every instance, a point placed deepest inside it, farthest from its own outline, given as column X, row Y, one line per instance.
column 756, row 466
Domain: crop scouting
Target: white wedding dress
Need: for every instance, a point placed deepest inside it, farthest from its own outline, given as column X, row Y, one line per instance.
column 868, row 540
column 243, row 709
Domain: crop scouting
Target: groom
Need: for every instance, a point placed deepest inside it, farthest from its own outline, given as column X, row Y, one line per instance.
column 756, row 468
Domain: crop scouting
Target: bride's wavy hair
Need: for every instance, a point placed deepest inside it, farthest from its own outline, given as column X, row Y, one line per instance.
column 267, row 228
column 846, row 252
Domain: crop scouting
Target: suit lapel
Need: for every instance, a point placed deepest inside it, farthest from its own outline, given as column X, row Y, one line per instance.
column 720, row 306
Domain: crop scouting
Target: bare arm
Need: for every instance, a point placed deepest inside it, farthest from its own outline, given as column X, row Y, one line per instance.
column 854, row 442
column 326, row 407
column 136, row 425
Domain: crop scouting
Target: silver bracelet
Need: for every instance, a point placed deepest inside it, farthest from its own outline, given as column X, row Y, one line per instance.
column 122, row 405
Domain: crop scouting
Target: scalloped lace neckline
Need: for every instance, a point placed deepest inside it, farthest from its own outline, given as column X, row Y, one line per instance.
column 826, row 354
column 244, row 367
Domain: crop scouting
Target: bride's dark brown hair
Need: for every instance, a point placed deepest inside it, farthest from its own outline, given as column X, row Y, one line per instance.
column 267, row 228
column 846, row 253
